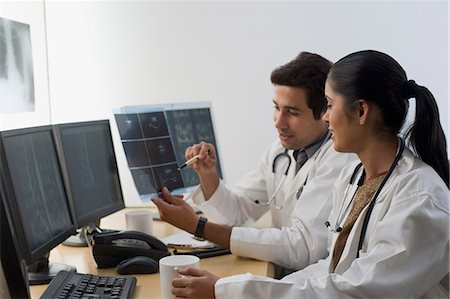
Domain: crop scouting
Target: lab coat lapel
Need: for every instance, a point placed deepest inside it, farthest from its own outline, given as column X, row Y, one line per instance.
column 299, row 178
column 350, row 251
column 381, row 206
column 351, row 247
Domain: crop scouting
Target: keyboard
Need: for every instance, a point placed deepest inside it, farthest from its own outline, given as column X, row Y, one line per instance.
column 87, row 286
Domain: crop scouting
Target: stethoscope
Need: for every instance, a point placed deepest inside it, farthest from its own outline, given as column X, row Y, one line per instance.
column 351, row 186
column 286, row 156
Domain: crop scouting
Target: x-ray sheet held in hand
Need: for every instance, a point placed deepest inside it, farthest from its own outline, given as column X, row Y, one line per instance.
column 155, row 138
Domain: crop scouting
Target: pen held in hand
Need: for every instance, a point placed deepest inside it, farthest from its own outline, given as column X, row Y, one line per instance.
column 189, row 162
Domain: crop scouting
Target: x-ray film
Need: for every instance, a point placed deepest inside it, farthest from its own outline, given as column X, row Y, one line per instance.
column 155, row 138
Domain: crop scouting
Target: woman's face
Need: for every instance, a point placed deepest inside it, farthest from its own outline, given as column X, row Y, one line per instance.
column 343, row 124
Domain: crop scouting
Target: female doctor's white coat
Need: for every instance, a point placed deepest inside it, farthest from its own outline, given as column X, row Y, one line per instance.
column 298, row 237
column 405, row 253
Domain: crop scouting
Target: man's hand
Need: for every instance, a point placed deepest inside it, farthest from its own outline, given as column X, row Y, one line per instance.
column 207, row 157
column 195, row 283
column 176, row 211
column 205, row 166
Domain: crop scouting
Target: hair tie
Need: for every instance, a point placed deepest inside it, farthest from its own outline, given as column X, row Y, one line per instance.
column 409, row 89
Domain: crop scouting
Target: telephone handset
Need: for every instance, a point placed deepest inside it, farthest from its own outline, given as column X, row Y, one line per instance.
column 110, row 248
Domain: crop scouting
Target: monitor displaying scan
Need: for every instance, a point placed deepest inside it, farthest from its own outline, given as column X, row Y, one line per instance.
column 89, row 169
column 155, row 139
column 35, row 195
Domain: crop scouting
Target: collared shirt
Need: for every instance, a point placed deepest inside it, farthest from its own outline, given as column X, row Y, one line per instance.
column 302, row 155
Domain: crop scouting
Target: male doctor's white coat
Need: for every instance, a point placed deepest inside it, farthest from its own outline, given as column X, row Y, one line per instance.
column 405, row 253
column 299, row 237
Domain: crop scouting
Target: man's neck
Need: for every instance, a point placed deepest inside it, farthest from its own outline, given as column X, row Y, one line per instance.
column 315, row 145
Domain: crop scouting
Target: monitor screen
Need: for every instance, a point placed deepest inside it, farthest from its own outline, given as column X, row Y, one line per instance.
column 155, row 139
column 34, row 191
column 90, row 169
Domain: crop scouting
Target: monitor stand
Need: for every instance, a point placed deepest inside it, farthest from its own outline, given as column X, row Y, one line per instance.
column 42, row 272
column 77, row 240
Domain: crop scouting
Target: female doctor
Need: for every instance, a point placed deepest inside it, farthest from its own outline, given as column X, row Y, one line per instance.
column 389, row 228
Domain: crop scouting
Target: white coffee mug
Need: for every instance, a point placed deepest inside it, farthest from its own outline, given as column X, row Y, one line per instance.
column 168, row 270
column 140, row 220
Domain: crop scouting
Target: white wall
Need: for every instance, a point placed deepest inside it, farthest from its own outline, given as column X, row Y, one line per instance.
column 107, row 54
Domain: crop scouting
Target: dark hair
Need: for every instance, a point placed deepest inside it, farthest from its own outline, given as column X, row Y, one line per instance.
column 308, row 71
column 378, row 78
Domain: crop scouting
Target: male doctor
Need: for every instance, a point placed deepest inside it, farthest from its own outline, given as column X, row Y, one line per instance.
column 298, row 203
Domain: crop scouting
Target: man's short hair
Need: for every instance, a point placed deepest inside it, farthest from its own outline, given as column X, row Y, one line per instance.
column 308, row 71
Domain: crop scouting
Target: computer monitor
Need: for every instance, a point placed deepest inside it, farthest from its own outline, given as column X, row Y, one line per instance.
column 155, row 138
column 89, row 166
column 35, row 198
column 13, row 278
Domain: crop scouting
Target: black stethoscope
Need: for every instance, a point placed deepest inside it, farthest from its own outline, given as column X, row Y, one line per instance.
column 351, row 186
column 285, row 155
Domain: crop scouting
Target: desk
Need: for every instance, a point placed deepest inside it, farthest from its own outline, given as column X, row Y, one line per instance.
column 147, row 285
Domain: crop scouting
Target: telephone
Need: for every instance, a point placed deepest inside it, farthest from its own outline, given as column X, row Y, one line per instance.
column 110, row 248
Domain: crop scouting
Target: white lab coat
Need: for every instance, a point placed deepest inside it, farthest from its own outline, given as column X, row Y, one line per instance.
column 405, row 253
column 298, row 237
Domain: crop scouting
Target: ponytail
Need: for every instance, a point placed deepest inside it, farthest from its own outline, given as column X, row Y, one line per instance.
column 426, row 136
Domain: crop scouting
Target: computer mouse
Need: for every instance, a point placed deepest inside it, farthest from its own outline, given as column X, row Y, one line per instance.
column 138, row 265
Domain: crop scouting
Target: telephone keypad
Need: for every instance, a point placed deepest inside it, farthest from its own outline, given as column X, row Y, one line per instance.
column 132, row 243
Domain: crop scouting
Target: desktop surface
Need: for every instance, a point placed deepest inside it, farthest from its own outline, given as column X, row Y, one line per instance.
column 147, row 284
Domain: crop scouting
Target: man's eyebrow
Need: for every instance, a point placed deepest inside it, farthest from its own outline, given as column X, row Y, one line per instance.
column 287, row 107
column 293, row 108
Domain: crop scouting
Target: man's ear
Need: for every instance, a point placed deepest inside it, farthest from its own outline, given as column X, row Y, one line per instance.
column 363, row 110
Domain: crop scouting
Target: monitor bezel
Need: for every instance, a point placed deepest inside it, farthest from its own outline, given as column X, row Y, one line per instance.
column 30, row 256
column 83, row 220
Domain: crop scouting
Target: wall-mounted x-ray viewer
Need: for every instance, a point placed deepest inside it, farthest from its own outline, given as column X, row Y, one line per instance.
column 155, row 138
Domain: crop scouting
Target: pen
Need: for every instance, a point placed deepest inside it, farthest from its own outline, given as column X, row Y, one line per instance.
column 190, row 161
column 190, row 246
column 205, row 252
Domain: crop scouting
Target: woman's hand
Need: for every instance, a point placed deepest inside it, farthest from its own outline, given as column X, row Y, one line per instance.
column 195, row 283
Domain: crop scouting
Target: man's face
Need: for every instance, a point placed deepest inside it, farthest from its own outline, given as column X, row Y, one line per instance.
column 294, row 120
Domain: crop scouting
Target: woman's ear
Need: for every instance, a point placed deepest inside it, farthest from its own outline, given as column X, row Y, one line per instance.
column 363, row 110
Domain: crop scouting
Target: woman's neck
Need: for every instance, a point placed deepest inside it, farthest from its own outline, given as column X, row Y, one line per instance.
column 377, row 156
